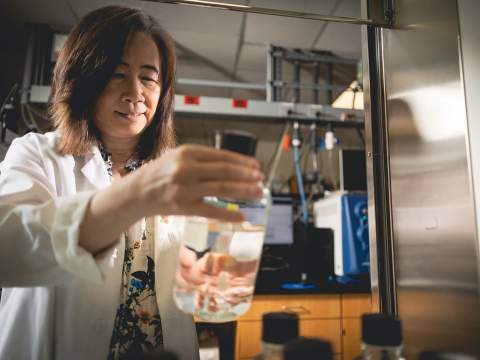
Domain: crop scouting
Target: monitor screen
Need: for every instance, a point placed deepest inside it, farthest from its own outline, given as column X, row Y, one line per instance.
column 279, row 229
column 354, row 170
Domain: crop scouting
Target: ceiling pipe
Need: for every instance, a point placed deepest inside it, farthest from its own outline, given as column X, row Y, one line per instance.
column 276, row 12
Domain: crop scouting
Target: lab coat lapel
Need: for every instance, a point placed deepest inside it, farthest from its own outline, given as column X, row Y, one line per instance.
column 179, row 333
column 95, row 170
column 100, row 318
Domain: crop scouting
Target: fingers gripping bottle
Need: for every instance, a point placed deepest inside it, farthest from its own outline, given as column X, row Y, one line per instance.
column 218, row 261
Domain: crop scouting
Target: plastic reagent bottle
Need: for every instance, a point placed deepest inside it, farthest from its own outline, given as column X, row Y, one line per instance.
column 381, row 337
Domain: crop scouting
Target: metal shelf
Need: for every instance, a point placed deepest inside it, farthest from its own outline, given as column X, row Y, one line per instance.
column 252, row 110
column 256, row 110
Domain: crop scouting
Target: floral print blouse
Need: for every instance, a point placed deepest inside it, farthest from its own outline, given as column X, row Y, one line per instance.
column 137, row 328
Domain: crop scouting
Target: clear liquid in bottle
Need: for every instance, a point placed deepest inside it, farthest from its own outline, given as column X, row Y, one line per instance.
column 218, row 263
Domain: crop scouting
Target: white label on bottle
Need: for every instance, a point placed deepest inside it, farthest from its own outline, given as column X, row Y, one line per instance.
column 246, row 246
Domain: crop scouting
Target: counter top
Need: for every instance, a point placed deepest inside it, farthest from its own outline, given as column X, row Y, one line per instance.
column 268, row 285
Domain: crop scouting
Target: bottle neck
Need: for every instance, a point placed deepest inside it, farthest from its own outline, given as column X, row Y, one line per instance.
column 272, row 351
column 372, row 352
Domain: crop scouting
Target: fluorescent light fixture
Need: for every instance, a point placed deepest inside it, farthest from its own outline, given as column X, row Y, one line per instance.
column 351, row 98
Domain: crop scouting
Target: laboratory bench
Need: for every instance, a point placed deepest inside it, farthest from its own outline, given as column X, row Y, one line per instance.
column 331, row 316
column 330, row 311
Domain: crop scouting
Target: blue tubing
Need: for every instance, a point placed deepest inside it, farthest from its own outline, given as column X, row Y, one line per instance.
column 298, row 172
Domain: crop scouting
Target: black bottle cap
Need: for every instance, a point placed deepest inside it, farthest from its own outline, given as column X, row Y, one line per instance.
column 441, row 355
column 307, row 349
column 279, row 327
column 381, row 330
column 235, row 140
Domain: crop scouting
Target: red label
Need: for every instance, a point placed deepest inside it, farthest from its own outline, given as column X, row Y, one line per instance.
column 191, row 100
column 240, row 103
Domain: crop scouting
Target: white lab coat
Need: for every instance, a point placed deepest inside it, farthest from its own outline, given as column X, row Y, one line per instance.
column 66, row 306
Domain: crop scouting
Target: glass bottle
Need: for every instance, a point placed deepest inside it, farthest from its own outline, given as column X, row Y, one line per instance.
column 218, row 261
column 381, row 337
column 278, row 328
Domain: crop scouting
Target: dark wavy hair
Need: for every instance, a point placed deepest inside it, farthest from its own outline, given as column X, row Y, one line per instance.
column 86, row 63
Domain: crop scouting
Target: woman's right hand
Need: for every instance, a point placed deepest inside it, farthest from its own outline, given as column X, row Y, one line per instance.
column 174, row 184
column 177, row 182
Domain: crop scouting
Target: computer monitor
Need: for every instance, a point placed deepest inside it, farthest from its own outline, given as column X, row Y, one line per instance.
column 279, row 230
column 353, row 171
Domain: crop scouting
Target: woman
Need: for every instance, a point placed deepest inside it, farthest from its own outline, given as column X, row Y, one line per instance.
column 92, row 196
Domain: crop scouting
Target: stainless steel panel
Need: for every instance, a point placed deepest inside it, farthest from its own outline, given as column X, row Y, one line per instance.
column 372, row 226
column 378, row 173
column 432, row 202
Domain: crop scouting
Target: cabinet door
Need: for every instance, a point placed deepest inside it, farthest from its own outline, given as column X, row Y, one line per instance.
column 354, row 305
column 307, row 306
column 351, row 337
column 249, row 336
column 328, row 329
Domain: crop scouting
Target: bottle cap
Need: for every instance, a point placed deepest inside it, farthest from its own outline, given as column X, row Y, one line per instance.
column 235, row 140
column 307, row 349
column 381, row 330
column 279, row 327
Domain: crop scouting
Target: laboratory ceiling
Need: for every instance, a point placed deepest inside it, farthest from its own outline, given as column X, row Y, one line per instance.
column 212, row 43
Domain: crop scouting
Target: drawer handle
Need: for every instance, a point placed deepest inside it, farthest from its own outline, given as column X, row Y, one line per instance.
column 296, row 309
